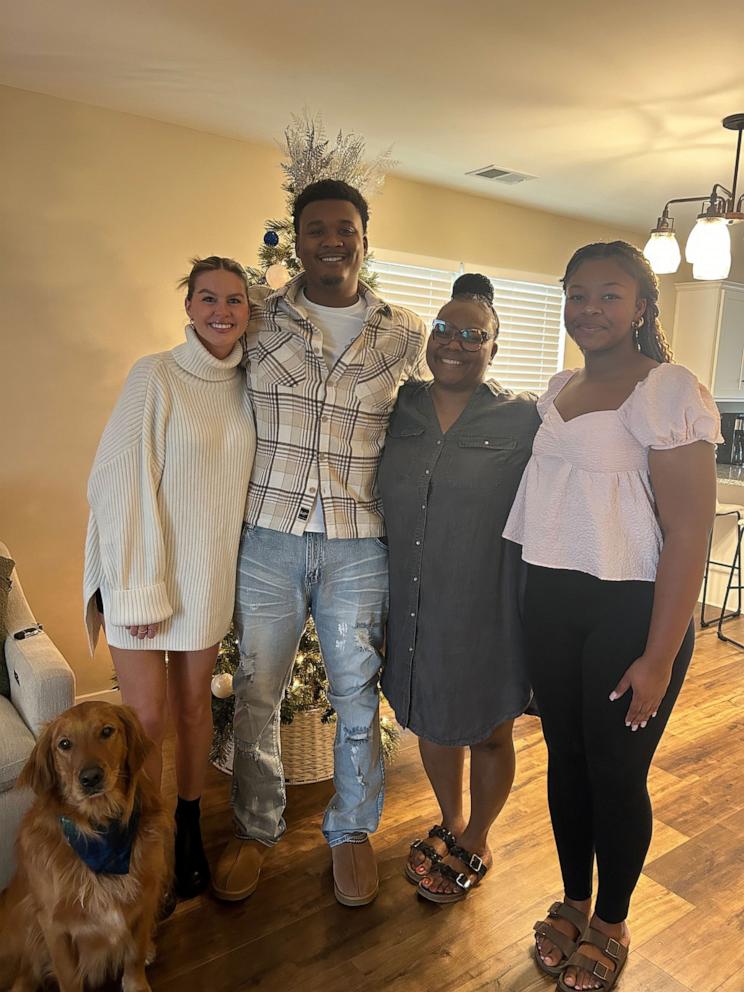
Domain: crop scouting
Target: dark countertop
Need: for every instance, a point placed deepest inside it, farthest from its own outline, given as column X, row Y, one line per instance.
column 732, row 475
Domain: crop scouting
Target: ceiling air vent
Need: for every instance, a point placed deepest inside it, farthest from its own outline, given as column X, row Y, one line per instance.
column 506, row 176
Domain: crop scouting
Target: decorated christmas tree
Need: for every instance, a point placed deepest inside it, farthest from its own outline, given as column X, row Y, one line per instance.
column 309, row 156
column 306, row 691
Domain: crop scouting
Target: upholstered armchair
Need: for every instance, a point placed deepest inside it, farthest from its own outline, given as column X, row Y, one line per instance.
column 41, row 686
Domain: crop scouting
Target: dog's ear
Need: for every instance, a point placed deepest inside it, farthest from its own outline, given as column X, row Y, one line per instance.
column 138, row 743
column 39, row 773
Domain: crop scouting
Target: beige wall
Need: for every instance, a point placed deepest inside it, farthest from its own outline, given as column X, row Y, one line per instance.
column 100, row 212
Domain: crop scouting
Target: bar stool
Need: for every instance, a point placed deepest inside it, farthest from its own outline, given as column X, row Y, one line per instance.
column 724, row 510
column 735, row 567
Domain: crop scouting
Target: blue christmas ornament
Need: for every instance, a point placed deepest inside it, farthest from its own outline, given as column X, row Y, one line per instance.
column 271, row 239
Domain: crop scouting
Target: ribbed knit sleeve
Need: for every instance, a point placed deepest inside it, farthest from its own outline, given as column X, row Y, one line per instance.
column 123, row 497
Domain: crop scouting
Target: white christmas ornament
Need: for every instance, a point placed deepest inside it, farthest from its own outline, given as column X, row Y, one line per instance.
column 277, row 275
column 222, row 685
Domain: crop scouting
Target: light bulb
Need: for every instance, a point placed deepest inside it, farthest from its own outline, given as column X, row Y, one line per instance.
column 662, row 252
column 709, row 237
column 712, row 266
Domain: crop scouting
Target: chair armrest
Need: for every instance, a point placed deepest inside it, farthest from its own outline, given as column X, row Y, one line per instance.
column 19, row 612
column 42, row 684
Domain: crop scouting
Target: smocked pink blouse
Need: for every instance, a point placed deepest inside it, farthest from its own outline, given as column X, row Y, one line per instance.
column 585, row 500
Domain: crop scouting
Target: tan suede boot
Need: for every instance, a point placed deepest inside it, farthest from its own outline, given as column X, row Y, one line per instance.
column 238, row 870
column 354, row 873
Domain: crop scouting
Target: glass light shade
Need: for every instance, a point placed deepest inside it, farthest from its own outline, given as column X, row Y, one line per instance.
column 712, row 266
column 662, row 252
column 710, row 236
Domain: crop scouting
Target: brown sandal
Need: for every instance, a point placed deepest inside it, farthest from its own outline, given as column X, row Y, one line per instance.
column 428, row 851
column 611, row 948
column 567, row 947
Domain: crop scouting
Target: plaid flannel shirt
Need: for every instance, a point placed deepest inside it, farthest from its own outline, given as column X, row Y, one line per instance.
column 318, row 427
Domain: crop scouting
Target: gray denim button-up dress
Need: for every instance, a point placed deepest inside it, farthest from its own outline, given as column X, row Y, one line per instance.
column 454, row 665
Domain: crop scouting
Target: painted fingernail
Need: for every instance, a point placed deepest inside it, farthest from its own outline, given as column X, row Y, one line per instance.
column 613, row 696
column 627, row 724
column 644, row 723
column 634, row 727
column 654, row 714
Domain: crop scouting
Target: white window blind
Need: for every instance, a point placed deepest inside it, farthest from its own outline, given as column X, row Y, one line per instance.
column 529, row 314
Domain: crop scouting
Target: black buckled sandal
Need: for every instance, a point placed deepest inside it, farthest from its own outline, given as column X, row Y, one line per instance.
column 428, row 851
column 474, row 865
column 559, row 910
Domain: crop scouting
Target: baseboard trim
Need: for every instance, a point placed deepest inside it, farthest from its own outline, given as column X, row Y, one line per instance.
column 105, row 696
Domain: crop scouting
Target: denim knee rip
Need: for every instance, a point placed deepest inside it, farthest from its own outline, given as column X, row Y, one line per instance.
column 245, row 675
column 356, row 736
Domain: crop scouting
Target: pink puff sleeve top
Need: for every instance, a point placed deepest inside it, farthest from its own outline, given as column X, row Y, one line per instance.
column 585, row 501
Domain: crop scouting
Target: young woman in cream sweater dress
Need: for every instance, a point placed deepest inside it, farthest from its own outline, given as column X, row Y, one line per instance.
column 167, row 495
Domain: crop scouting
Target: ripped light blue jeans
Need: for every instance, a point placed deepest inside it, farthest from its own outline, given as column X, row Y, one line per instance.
column 344, row 584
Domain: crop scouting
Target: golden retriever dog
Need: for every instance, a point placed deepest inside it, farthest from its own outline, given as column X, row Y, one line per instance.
column 93, row 857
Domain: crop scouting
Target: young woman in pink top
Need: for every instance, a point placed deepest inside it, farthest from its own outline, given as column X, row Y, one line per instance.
column 613, row 515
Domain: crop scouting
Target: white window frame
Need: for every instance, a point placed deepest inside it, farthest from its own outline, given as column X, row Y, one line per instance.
column 452, row 266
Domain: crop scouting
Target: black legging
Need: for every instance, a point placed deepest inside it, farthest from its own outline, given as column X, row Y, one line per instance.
column 583, row 633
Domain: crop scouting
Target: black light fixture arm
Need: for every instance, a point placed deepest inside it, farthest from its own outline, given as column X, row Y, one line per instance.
column 712, row 197
column 736, row 167
column 735, row 122
column 722, row 202
column 717, row 202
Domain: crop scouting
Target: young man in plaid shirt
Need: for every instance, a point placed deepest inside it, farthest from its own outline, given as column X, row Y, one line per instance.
column 325, row 359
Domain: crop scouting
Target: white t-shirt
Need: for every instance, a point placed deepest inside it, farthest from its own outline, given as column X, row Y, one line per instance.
column 338, row 327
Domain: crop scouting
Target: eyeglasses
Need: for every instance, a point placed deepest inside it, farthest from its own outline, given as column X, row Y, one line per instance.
column 470, row 338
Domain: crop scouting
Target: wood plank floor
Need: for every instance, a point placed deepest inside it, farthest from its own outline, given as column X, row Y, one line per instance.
column 687, row 920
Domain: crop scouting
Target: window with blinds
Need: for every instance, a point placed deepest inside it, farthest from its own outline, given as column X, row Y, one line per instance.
column 530, row 342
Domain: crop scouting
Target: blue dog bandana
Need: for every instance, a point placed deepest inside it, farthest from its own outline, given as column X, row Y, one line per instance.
column 109, row 851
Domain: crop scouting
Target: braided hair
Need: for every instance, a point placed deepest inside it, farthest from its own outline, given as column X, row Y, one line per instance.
column 650, row 336
column 478, row 288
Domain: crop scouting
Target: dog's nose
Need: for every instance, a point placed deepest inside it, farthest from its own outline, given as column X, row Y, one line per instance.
column 91, row 778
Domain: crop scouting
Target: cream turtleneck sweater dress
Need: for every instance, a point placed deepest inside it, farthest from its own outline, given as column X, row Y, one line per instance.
column 167, row 497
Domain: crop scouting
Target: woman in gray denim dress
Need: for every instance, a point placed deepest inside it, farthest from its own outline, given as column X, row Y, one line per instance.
column 454, row 671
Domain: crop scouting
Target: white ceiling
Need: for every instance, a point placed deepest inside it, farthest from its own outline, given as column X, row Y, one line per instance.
column 615, row 107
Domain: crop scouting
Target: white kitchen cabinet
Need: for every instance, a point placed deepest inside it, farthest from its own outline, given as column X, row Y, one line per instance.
column 709, row 335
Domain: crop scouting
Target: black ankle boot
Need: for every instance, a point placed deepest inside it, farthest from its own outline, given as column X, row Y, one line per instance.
column 191, row 868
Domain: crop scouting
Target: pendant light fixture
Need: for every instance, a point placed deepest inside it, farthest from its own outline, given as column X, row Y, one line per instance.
column 708, row 247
